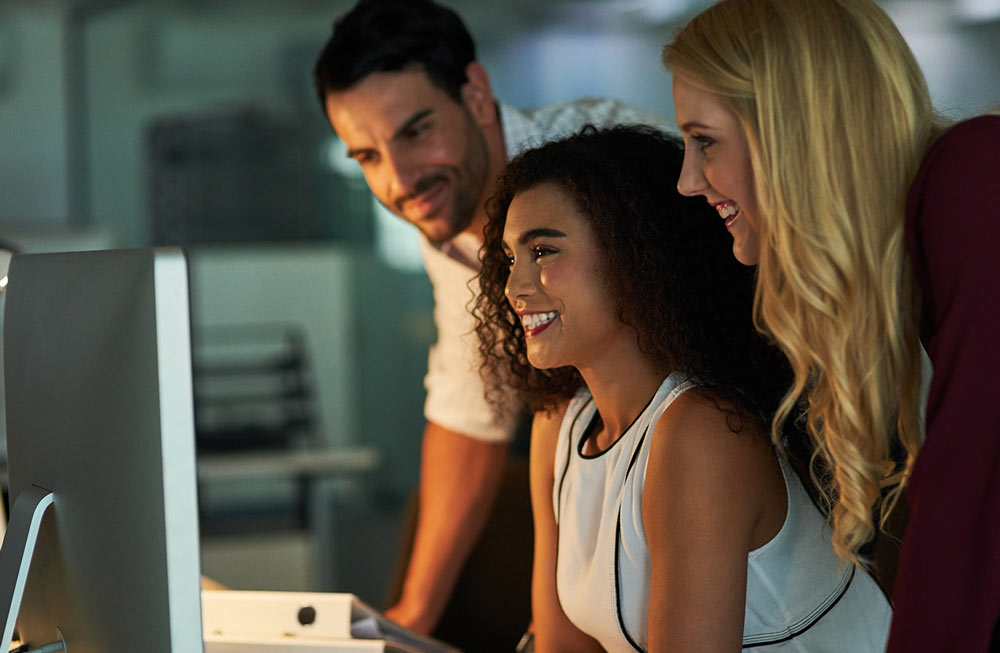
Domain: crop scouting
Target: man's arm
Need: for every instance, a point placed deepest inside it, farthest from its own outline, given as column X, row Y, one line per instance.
column 459, row 480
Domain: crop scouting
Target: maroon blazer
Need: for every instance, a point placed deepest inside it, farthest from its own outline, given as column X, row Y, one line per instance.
column 947, row 592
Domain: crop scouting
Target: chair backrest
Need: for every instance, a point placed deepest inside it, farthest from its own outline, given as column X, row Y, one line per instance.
column 253, row 388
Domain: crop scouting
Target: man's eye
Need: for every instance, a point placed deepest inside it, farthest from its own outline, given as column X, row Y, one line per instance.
column 417, row 131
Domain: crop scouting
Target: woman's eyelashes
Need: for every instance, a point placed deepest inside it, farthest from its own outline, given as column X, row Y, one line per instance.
column 540, row 251
column 537, row 252
column 703, row 141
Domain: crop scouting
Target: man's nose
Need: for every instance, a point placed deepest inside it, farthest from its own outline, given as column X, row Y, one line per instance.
column 401, row 175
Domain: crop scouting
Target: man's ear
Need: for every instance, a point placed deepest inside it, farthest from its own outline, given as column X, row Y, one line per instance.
column 477, row 95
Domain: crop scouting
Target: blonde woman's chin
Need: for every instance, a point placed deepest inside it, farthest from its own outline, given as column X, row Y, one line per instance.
column 746, row 241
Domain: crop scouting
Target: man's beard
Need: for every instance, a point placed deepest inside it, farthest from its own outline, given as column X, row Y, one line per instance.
column 468, row 189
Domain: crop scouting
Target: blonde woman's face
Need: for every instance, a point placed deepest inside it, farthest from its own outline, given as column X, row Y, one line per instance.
column 717, row 164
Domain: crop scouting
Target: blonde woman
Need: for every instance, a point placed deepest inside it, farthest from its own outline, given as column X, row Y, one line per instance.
column 808, row 126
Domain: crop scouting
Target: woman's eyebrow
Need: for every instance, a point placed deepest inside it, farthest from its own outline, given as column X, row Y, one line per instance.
column 541, row 232
column 693, row 124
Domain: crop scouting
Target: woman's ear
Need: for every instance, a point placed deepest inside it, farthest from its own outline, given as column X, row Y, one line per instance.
column 477, row 95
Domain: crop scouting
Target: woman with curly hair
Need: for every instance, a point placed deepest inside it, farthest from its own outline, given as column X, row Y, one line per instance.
column 664, row 517
column 809, row 128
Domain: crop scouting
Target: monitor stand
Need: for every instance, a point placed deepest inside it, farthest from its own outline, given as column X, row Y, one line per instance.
column 16, row 552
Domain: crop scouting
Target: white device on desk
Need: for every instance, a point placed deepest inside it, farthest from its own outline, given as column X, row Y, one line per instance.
column 304, row 622
column 100, row 424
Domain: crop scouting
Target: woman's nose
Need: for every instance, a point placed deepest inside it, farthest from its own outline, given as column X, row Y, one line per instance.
column 692, row 179
column 518, row 282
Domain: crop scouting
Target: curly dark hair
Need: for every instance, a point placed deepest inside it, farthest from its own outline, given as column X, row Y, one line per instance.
column 668, row 262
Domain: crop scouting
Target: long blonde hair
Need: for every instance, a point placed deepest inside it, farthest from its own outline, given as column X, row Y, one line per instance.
column 837, row 117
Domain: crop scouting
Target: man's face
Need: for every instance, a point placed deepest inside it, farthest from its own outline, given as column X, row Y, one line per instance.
column 422, row 153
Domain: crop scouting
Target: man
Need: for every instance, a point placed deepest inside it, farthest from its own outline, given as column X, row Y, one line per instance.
column 400, row 84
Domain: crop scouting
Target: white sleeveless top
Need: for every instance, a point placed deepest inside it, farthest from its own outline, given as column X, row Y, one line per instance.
column 797, row 600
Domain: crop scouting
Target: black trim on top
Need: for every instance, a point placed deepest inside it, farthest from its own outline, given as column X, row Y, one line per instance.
column 635, row 454
column 588, row 431
column 793, row 634
column 618, row 543
column 621, row 436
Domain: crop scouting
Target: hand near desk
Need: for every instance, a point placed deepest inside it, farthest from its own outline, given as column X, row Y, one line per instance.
column 410, row 616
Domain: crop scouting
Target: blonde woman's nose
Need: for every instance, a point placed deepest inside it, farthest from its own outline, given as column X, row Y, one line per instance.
column 692, row 180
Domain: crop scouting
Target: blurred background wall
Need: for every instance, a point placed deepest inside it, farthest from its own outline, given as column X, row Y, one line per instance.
column 129, row 123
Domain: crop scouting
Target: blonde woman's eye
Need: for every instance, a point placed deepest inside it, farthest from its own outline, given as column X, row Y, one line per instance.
column 703, row 141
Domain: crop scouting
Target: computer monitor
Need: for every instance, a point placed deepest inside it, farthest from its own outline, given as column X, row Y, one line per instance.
column 100, row 413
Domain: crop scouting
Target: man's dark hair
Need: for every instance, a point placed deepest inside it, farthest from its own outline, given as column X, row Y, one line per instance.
column 390, row 35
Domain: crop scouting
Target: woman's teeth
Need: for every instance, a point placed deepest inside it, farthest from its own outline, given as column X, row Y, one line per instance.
column 535, row 320
column 728, row 210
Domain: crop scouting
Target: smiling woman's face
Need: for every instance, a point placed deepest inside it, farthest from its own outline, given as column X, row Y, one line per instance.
column 556, row 285
column 717, row 164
